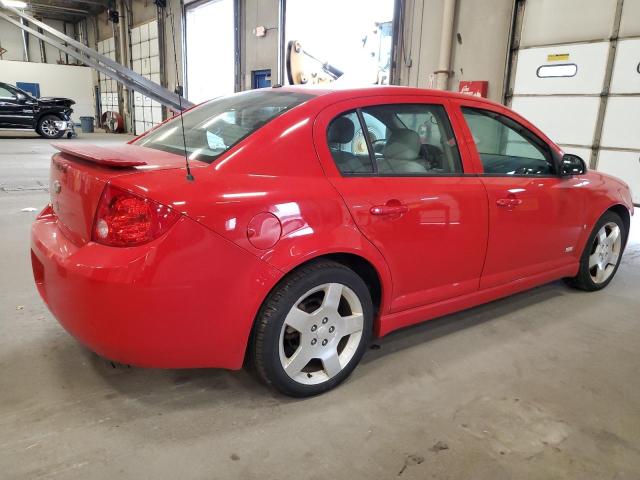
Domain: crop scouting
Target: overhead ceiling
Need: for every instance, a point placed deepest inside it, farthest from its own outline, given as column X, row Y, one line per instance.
column 66, row 10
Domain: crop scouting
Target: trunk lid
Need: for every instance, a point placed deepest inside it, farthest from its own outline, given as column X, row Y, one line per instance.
column 80, row 172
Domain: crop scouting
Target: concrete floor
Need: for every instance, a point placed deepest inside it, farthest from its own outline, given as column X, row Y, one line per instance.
column 541, row 385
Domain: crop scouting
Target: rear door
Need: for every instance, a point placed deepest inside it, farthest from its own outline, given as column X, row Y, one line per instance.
column 535, row 216
column 395, row 160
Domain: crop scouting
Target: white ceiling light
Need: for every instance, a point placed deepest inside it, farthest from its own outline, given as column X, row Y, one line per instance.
column 14, row 3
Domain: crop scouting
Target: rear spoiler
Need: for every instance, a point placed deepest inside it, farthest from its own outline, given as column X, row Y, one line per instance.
column 120, row 156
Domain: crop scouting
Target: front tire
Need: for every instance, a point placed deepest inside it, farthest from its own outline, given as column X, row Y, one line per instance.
column 602, row 254
column 47, row 127
column 312, row 330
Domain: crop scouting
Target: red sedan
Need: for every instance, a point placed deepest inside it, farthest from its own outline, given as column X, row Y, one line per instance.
column 315, row 220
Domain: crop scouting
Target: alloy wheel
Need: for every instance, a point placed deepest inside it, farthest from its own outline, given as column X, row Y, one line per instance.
column 605, row 252
column 321, row 333
column 49, row 128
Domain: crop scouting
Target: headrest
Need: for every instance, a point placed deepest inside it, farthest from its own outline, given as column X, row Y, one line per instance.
column 403, row 144
column 341, row 130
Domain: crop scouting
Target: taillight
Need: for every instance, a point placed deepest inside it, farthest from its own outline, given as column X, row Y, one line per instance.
column 124, row 219
column 46, row 212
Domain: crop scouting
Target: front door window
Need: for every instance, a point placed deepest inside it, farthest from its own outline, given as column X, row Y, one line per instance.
column 505, row 147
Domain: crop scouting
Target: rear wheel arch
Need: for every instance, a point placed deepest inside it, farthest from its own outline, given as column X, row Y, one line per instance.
column 363, row 267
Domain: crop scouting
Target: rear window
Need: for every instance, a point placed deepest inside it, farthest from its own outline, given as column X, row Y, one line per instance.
column 216, row 126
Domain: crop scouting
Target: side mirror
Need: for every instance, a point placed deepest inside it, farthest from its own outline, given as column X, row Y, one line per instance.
column 572, row 165
column 21, row 96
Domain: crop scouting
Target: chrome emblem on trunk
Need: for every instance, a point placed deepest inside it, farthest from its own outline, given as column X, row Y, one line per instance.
column 57, row 186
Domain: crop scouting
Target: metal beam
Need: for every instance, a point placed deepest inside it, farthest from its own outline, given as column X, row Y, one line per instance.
column 104, row 4
column 120, row 74
column 44, row 6
column 103, row 64
column 25, row 42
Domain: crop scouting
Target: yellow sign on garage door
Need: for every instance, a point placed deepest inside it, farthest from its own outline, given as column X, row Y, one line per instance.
column 557, row 57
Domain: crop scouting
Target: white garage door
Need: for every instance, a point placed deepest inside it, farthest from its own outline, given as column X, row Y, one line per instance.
column 108, row 86
column 577, row 77
column 145, row 60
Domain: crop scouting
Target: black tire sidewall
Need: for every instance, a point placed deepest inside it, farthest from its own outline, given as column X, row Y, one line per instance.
column 42, row 134
column 583, row 278
column 286, row 294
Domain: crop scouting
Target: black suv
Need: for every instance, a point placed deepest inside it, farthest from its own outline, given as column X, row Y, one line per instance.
column 50, row 117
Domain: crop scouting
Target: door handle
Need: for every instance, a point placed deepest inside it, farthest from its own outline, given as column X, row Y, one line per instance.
column 388, row 209
column 508, row 202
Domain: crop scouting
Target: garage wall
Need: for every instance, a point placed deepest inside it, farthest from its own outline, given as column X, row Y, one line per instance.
column 55, row 81
column 259, row 53
column 11, row 39
column 146, row 61
column 480, row 43
column 107, row 87
column 592, row 108
column 142, row 53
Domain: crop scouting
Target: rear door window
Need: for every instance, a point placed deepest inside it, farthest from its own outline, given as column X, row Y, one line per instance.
column 395, row 140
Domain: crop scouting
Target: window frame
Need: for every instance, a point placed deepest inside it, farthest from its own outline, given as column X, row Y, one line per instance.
column 375, row 173
column 524, row 131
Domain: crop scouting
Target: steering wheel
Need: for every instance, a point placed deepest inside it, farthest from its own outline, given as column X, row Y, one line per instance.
column 378, row 145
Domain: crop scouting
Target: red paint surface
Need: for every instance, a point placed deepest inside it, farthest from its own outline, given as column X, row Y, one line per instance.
column 189, row 297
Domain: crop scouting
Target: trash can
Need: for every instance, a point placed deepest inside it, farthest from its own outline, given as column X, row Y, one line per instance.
column 87, row 124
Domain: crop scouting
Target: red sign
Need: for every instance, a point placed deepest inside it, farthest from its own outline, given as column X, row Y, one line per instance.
column 477, row 88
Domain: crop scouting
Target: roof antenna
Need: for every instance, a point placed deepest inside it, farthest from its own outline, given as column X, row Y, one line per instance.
column 179, row 89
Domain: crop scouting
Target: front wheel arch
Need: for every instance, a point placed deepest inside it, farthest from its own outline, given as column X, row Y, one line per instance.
column 623, row 212
column 48, row 117
column 37, row 119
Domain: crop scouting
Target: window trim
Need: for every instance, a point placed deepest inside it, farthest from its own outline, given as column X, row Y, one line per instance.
column 526, row 133
column 365, row 131
column 557, row 65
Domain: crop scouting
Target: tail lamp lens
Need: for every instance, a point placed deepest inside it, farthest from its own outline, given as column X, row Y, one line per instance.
column 124, row 219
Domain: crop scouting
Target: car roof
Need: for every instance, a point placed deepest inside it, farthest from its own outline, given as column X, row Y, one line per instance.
column 335, row 91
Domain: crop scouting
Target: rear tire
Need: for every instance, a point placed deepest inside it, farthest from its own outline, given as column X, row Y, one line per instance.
column 312, row 329
column 602, row 254
column 47, row 128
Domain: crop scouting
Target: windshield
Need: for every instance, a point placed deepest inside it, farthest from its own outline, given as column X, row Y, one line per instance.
column 214, row 127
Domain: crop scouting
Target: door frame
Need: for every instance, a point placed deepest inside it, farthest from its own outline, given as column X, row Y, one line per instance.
column 397, row 25
column 237, row 42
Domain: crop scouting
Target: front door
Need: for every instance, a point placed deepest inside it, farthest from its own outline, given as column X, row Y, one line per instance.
column 397, row 165
column 535, row 216
column 16, row 109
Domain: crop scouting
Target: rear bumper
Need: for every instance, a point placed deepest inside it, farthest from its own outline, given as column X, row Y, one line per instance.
column 185, row 300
